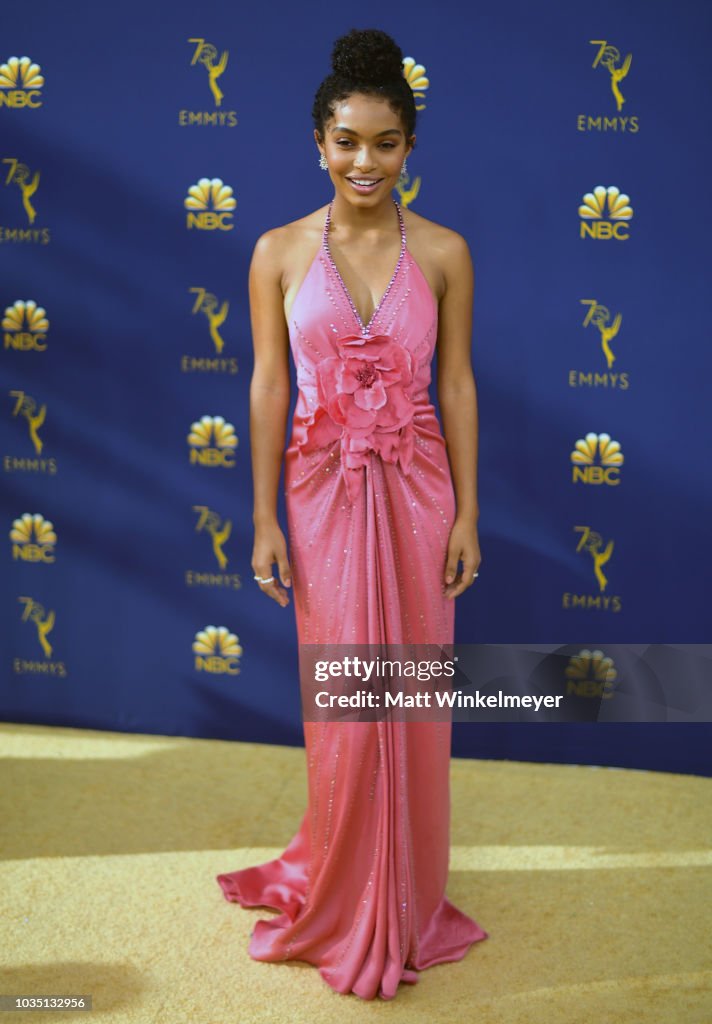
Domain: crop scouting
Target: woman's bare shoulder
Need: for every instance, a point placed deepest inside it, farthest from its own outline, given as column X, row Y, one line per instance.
column 442, row 253
column 285, row 243
column 428, row 234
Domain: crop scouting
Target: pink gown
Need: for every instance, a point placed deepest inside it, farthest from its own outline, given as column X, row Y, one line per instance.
column 370, row 504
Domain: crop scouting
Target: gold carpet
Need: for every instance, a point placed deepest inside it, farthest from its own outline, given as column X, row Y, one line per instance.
column 594, row 884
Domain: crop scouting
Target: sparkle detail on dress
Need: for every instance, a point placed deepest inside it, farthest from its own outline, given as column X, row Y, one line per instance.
column 362, row 885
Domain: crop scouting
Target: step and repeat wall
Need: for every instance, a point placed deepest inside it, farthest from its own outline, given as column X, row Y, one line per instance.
column 144, row 149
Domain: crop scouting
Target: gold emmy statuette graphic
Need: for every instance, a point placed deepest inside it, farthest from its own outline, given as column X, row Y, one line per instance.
column 406, row 191
column 213, row 442
column 585, row 467
column 608, row 57
column 592, row 542
column 33, row 538
column 600, row 317
column 210, row 204
column 207, row 303
column 594, row 207
column 591, row 674
column 219, row 532
column 19, row 174
column 20, row 83
column 217, row 651
column 206, row 54
column 34, row 612
column 26, row 406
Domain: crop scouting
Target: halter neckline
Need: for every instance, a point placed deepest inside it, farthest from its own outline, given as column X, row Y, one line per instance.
column 365, row 328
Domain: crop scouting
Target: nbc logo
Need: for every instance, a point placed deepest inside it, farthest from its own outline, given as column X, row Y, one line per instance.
column 212, row 442
column 33, row 538
column 590, row 674
column 20, row 83
column 610, row 459
column 416, row 78
column 414, row 75
column 604, row 213
column 217, row 651
column 25, row 325
column 210, row 204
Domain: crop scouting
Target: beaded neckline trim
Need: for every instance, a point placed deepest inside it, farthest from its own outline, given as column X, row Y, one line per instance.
column 365, row 328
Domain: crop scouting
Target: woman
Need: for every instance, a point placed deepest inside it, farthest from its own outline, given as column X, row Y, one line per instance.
column 362, row 291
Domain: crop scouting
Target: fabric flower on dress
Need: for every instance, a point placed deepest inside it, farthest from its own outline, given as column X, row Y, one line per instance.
column 363, row 400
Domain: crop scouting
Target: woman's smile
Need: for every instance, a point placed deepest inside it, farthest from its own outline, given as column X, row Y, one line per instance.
column 364, row 185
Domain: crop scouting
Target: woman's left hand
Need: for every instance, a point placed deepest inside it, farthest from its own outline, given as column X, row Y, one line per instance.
column 464, row 546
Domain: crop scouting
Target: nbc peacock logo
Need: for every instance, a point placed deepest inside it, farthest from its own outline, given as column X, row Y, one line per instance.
column 25, row 326
column 21, row 83
column 212, row 442
column 605, row 214
column 33, row 538
column 210, row 204
column 416, row 78
column 591, row 674
column 217, row 651
column 596, row 459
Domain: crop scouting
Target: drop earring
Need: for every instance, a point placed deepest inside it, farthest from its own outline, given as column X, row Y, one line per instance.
column 322, row 162
column 403, row 168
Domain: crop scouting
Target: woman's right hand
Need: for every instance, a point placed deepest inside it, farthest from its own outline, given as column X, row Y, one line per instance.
column 270, row 547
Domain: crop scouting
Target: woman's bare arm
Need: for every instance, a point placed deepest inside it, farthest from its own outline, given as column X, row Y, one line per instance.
column 457, row 397
column 270, row 384
column 269, row 406
column 457, row 392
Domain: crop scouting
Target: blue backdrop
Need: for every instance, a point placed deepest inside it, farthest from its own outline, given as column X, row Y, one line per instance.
column 145, row 148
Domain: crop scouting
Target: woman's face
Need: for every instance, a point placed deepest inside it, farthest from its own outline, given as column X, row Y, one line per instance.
column 364, row 141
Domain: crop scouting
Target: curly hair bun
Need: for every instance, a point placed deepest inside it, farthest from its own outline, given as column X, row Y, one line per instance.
column 367, row 55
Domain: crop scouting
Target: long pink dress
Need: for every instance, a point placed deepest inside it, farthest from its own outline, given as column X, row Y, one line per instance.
column 370, row 504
